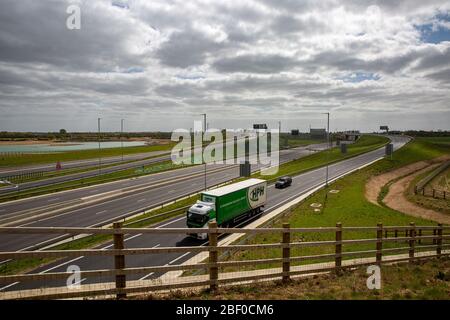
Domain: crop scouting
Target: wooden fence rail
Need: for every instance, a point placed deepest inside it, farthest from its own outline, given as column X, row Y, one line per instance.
column 415, row 242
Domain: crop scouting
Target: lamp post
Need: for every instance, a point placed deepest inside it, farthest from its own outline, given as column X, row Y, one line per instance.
column 328, row 146
column 99, row 149
column 121, row 136
column 204, row 132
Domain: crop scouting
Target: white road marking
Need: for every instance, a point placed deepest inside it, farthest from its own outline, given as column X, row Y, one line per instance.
column 62, row 264
column 183, row 255
column 151, row 273
column 51, row 200
column 142, row 200
column 104, row 211
column 146, row 276
column 9, row 285
column 170, row 222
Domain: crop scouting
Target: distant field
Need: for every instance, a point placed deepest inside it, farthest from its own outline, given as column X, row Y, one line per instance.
column 291, row 143
column 436, row 140
column 31, row 159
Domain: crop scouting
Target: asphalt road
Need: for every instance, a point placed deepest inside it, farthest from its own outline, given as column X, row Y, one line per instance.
column 117, row 199
column 301, row 184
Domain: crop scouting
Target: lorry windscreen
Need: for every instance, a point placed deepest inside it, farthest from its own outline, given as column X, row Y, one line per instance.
column 197, row 218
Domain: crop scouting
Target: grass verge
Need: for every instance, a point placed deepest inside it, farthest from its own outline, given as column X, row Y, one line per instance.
column 428, row 280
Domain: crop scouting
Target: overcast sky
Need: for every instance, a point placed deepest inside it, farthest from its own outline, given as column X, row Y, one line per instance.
column 159, row 64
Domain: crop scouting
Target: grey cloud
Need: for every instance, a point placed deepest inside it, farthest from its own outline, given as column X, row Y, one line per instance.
column 186, row 48
column 36, row 32
column 433, row 58
column 255, row 64
column 287, row 23
column 442, row 76
column 342, row 60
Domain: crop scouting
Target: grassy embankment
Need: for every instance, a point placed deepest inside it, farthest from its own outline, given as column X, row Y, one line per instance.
column 424, row 280
column 53, row 157
column 349, row 207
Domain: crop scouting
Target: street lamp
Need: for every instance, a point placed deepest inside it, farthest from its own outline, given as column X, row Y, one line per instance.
column 204, row 131
column 121, row 136
column 99, row 150
column 328, row 145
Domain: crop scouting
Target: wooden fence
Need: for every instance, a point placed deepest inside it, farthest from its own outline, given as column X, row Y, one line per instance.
column 416, row 238
column 431, row 192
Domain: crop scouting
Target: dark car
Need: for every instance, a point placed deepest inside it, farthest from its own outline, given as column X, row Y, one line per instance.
column 283, row 182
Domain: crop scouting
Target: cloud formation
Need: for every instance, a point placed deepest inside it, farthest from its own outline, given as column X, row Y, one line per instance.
column 160, row 63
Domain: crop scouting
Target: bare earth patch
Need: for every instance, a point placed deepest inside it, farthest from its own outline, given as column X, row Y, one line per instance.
column 397, row 200
column 376, row 183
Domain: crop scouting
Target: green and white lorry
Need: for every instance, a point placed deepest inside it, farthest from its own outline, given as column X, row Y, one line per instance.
column 227, row 205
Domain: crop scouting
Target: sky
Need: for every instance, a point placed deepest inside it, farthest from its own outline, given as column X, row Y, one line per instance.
column 160, row 64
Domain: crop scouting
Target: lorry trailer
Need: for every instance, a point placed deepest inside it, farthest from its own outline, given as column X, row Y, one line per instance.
column 227, row 205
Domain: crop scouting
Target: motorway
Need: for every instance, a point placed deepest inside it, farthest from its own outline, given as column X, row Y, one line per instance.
column 276, row 198
column 101, row 204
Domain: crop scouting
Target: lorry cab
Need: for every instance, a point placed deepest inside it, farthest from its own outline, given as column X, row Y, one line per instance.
column 199, row 215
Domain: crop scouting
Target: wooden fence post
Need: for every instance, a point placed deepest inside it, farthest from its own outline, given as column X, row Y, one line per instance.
column 439, row 241
column 434, row 236
column 379, row 243
column 420, row 235
column 213, row 257
column 434, row 193
column 412, row 241
column 286, row 252
column 119, row 260
column 396, row 233
column 338, row 248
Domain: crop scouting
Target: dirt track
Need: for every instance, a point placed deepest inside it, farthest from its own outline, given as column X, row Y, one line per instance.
column 374, row 185
column 396, row 200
